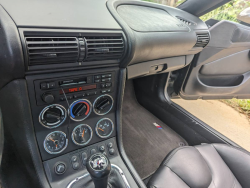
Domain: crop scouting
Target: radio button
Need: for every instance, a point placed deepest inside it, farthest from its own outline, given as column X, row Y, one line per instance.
column 92, row 93
column 103, row 86
column 43, row 86
column 51, row 85
column 106, row 80
column 108, row 84
column 104, row 91
column 69, row 97
column 62, row 98
column 106, row 75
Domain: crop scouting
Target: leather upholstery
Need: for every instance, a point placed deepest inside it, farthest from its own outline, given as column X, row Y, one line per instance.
column 203, row 166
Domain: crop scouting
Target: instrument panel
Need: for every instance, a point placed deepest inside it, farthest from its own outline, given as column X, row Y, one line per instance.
column 73, row 110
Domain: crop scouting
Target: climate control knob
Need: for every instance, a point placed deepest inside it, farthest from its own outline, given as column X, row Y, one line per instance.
column 103, row 104
column 80, row 109
column 52, row 116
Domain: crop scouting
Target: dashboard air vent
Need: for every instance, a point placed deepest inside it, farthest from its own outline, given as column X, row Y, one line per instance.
column 49, row 50
column 202, row 40
column 104, row 48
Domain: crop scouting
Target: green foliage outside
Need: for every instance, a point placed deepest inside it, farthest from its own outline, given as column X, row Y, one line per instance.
column 173, row 3
column 241, row 105
column 228, row 11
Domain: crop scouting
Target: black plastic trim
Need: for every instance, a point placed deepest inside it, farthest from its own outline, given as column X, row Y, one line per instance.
column 20, row 135
column 12, row 64
column 122, row 80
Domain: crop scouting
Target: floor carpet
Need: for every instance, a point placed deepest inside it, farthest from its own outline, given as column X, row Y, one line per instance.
column 146, row 139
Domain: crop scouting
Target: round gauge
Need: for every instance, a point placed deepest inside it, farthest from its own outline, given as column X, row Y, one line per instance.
column 103, row 104
column 55, row 142
column 82, row 134
column 80, row 109
column 52, row 116
column 104, row 127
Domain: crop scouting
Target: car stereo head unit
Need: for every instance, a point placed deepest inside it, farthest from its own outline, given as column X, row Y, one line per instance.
column 55, row 90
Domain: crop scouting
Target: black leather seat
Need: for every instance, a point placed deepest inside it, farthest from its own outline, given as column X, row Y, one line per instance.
column 204, row 166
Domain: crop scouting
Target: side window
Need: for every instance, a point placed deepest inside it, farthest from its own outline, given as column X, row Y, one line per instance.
column 229, row 11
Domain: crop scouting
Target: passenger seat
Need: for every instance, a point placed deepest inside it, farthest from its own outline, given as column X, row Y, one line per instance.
column 203, row 166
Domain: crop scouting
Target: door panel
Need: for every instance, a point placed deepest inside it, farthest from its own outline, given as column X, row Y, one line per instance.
column 237, row 63
column 222, row 69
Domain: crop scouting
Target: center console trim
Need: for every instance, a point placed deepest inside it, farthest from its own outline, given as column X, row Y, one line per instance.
column 87, row 174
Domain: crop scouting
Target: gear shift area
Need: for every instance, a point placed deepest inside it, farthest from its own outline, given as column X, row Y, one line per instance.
column 99, row 167
column 101, row 174
column 93, row 166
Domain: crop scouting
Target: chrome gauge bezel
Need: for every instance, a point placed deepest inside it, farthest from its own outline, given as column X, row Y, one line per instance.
column 97, row 100
column 50, row 152
column 59, row 122
column 90, row 110
column 96, row 131
column 91, row 135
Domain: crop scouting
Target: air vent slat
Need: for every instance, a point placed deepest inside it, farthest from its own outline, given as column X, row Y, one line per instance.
column 93, row 52
column 42, row 56
column 49, row 50
column 104, row 47
column 113, row 39
column 202, row 40
column 58, row 47
column 50, row 42
column 53, row 52
column 120, row 43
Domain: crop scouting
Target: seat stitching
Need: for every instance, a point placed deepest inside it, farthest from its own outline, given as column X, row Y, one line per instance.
column 177, row 175
column 233, row 147
column 207, row 166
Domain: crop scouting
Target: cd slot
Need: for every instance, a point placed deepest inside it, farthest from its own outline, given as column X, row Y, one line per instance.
column 75, row 81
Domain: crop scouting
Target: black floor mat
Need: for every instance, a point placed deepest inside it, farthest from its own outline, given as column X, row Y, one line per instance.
column 145, row 144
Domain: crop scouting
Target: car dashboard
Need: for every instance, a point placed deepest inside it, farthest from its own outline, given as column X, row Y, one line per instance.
column 65, row 64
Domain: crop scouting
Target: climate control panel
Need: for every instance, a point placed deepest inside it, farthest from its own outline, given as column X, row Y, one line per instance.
column 73, row 110
column 52, row 116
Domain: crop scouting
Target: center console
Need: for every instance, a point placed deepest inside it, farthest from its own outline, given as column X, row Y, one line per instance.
column 74, row 117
